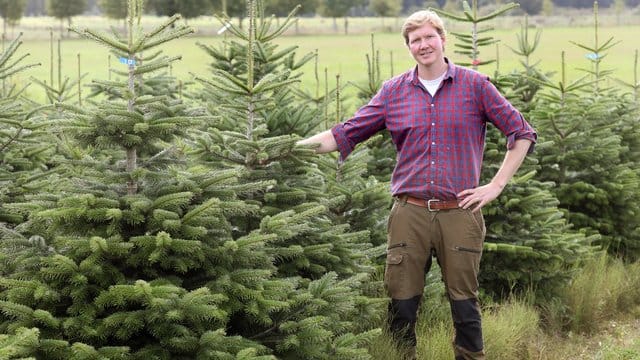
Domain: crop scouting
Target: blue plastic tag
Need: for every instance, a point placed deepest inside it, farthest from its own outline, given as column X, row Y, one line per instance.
column 592, row 56
column 127, row 61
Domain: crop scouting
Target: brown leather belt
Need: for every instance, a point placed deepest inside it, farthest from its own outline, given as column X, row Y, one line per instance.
column 431, row 204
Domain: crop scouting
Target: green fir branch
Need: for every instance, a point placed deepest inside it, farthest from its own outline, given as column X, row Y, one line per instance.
column 102, row 38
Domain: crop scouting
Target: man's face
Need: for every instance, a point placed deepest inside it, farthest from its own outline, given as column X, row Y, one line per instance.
column 426, row 45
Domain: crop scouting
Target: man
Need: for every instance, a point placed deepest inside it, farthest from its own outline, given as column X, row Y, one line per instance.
column 437, row 115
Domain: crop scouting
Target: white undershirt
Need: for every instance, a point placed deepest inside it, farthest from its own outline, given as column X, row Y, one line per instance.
column 433, row 85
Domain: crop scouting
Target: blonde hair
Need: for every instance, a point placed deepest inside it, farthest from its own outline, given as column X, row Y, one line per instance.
column 419, row 18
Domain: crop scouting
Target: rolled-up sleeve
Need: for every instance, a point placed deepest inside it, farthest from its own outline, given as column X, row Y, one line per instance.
column 367, row 121
column 524, row 131
column 501, row 113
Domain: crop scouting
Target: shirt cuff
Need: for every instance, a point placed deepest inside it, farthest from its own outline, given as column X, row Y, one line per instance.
column 344, row 145
column 532, row 136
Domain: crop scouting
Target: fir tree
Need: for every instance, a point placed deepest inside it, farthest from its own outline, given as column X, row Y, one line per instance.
column 257, row 117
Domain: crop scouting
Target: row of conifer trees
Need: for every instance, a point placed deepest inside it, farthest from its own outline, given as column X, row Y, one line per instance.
column 155, row 219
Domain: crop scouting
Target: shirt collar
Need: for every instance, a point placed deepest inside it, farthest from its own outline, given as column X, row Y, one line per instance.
column 451, row 72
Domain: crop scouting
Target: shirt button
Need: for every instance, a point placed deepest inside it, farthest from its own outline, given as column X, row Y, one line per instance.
column 431, row 181
column 433, row 143
column 433, row 163
column 432, row 105
column 433, row 124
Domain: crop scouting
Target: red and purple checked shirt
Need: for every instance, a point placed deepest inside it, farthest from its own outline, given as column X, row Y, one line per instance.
column 439, row 140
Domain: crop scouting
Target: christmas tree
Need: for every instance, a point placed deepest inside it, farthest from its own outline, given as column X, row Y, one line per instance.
column 259, row 116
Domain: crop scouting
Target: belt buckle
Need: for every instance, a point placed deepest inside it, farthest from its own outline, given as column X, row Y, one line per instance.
column 429, row 204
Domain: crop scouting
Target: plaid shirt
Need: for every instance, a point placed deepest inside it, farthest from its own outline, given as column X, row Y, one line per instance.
column 439, row 140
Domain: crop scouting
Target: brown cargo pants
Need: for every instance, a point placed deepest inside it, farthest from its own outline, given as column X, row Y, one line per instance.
column 455, row 237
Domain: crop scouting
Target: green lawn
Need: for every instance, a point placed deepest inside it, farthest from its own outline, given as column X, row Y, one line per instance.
column 345, row 54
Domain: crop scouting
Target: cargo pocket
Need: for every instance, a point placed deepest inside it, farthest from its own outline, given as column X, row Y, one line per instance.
column 395, row 275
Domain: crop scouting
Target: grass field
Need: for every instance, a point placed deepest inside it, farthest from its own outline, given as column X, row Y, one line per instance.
column 338, row 53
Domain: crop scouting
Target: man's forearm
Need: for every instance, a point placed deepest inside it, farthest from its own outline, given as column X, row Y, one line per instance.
column 325, row 139
column 511, row 163
column 478, row 197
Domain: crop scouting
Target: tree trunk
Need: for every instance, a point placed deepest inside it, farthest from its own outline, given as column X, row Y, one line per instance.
column 132, row 153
